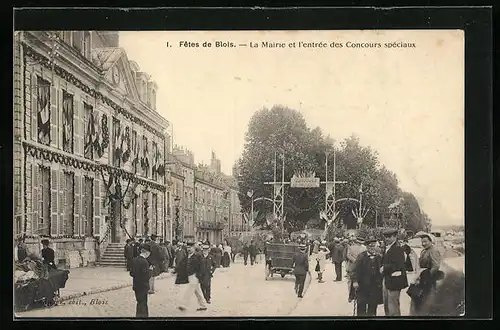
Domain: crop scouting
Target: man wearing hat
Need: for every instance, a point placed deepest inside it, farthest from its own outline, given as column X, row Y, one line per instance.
column 155, row 259
column 353, row 251
column 337, row 255
column 300, row 269
column 394, row 273
column 128, row 252
column 208, row 266
column 48, row 254
column 367, row 280
column 140, row 271
column 194, row 277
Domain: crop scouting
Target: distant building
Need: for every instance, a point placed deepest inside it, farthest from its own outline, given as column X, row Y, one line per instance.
column 211, row 205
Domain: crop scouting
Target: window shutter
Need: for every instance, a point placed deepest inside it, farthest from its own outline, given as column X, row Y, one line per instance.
column 139, row 222
column 34, row 107
column 54, row 134
column 97, row 207
column 160, row 214
column 60, row 118
column 77, row 128
column 83, row 214
column 76, row 215
column 35, row 185
column 61, row 230
column 104, row 200
column 53, row 203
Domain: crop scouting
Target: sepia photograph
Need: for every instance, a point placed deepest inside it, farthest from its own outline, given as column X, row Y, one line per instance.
column 297, row 173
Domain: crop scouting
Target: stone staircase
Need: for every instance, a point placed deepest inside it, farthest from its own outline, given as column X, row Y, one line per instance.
column 113, row 256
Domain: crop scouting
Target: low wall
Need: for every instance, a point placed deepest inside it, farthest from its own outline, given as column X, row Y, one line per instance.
column 68, row 252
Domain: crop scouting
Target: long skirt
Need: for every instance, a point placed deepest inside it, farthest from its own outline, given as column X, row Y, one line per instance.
column 225, row 259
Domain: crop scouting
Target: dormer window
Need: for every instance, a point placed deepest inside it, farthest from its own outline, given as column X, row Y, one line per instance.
column 86, row 44
column 66, row 36
column 77, row 41
column 153, row 99
column 144, row 91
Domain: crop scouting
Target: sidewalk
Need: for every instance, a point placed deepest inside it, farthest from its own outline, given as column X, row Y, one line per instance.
column 90, row 280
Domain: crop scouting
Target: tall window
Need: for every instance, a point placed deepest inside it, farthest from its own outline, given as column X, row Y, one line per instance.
column 89, row 132
column 116, row 142
column 67, row 118
column 43, row 111
column 156, row 160
column 154, row 213
column 44, row 217
column 168, row 203
column 69, row 207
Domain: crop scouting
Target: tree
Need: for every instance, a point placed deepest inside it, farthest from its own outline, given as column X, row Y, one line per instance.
column 276, row 130
column 283, row 129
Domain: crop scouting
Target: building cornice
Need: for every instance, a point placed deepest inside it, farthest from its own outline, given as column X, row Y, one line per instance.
column 34, row 51
column 213, row 185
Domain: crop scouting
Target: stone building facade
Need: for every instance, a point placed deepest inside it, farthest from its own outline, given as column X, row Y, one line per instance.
column 211, row 205
column 89, row 165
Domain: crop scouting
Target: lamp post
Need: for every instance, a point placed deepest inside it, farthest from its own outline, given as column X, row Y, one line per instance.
column 177, row 201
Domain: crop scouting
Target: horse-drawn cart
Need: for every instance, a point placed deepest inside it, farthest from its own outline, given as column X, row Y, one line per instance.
column 279, row 258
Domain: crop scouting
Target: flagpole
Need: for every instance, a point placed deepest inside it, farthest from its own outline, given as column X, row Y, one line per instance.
column 274, row 184
column 326, row 183
column 283, row 194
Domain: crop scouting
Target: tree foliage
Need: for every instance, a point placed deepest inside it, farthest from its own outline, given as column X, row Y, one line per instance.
column 281, row 129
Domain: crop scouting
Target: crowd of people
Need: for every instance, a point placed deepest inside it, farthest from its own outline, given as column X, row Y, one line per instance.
column 376, row 270
column 193, row 264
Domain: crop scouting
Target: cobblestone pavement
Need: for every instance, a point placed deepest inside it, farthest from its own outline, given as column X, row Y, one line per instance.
column 236, row 291
column 239, row 291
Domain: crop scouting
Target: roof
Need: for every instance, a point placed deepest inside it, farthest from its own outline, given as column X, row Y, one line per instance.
column 105, row 58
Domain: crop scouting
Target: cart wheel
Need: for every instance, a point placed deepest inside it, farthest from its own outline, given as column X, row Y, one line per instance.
column 266, row 271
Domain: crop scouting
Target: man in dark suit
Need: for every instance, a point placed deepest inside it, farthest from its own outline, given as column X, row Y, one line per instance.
column 367, row 280
column 155, row 259
column 300, row 269
column 128, row 253
column 48, row 254
column 140, row 271
column 394, row 272
column 207, row 269
column 245, row 253
column 337, row 254
column 252, row 250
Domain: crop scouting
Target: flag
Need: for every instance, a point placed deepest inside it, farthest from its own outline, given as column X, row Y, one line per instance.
column 245, row 217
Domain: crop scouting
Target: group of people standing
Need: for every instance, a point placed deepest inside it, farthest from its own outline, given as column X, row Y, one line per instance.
column 376, row 271
column 194, row 265
column 379, row 272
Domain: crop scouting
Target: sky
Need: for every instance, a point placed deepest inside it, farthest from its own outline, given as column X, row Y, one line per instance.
column 405, row 103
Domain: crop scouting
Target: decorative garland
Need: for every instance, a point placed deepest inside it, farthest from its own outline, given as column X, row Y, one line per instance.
column 29, row 51
column 52, row 156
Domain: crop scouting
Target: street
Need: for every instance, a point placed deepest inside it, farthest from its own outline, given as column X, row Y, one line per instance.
column 238, row 291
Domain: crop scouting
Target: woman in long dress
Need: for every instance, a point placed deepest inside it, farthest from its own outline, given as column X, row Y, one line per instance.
column 321, row 262
column 226, row 255
column 429, row 262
